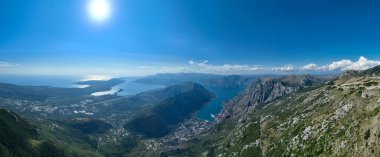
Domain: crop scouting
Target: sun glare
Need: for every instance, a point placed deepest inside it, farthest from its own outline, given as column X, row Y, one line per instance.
column 99, row 10
column 96, row 78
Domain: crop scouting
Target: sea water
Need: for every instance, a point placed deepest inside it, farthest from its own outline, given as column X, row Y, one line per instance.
column 215, row 106
column 53, row 81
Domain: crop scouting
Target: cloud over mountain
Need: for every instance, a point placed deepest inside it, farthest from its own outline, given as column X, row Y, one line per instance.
column 361, row 64
column 335, row 66
column 204, row 66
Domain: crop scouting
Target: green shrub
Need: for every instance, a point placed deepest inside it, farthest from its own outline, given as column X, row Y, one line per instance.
column 367, row 134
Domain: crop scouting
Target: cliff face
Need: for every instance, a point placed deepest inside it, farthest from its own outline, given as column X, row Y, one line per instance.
column 266, row 90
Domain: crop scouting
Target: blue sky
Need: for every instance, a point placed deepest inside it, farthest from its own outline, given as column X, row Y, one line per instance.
column 148, row 36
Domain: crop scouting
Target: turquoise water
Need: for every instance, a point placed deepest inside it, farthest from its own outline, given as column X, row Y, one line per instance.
column 215, row 106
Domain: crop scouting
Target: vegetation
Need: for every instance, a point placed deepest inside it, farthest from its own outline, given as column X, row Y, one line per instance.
column 321, row 121
column 367, row 134
column 334, row 119
column 89, row 126
column 19, row 138
column 158, row 120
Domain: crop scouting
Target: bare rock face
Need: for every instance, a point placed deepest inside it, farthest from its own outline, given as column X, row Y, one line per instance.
column 367, row 94
column 266, row 90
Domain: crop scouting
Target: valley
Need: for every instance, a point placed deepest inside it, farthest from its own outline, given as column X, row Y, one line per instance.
column 103, row 122
column 189, row 78
column 270, row 116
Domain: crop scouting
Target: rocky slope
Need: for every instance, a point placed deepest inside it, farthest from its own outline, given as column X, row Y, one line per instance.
column 266, row 90
column 340, row 118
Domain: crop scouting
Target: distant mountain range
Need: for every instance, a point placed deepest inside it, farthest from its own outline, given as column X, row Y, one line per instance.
column 206, row 80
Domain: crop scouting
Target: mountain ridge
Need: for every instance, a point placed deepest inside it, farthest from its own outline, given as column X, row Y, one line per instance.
column 157, row 121
column 20, row 138
column 339, row 118
column 265, row 90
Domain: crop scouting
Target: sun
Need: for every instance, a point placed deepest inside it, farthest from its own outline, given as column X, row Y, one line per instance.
column 99, row 10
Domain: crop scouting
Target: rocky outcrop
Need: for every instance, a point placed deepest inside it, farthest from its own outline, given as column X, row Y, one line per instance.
column 266, row 90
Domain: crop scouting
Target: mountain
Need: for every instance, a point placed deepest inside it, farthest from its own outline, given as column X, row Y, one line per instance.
column 129, row 105
column 206, row 80
column 20, row 138
column 86, row 124
column 160, row 119
column 375, row 71
column 89, row 126
column 265, row 90
column 339, row 118
column 273, row 116
column 230, row 81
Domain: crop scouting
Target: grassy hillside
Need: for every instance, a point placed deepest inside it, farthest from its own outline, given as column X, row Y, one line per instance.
column 19, row 138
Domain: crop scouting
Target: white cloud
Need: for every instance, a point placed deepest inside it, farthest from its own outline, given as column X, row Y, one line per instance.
column 96, row 77
column 7, row 64
column 335, row 66
column 339, row 64
column 310, row 66
column 286, row 68
column 342, row 65
column 362, row 64
column 201, row 63
column 205, row 67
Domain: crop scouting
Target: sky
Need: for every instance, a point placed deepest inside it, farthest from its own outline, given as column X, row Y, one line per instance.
column 142, row 37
